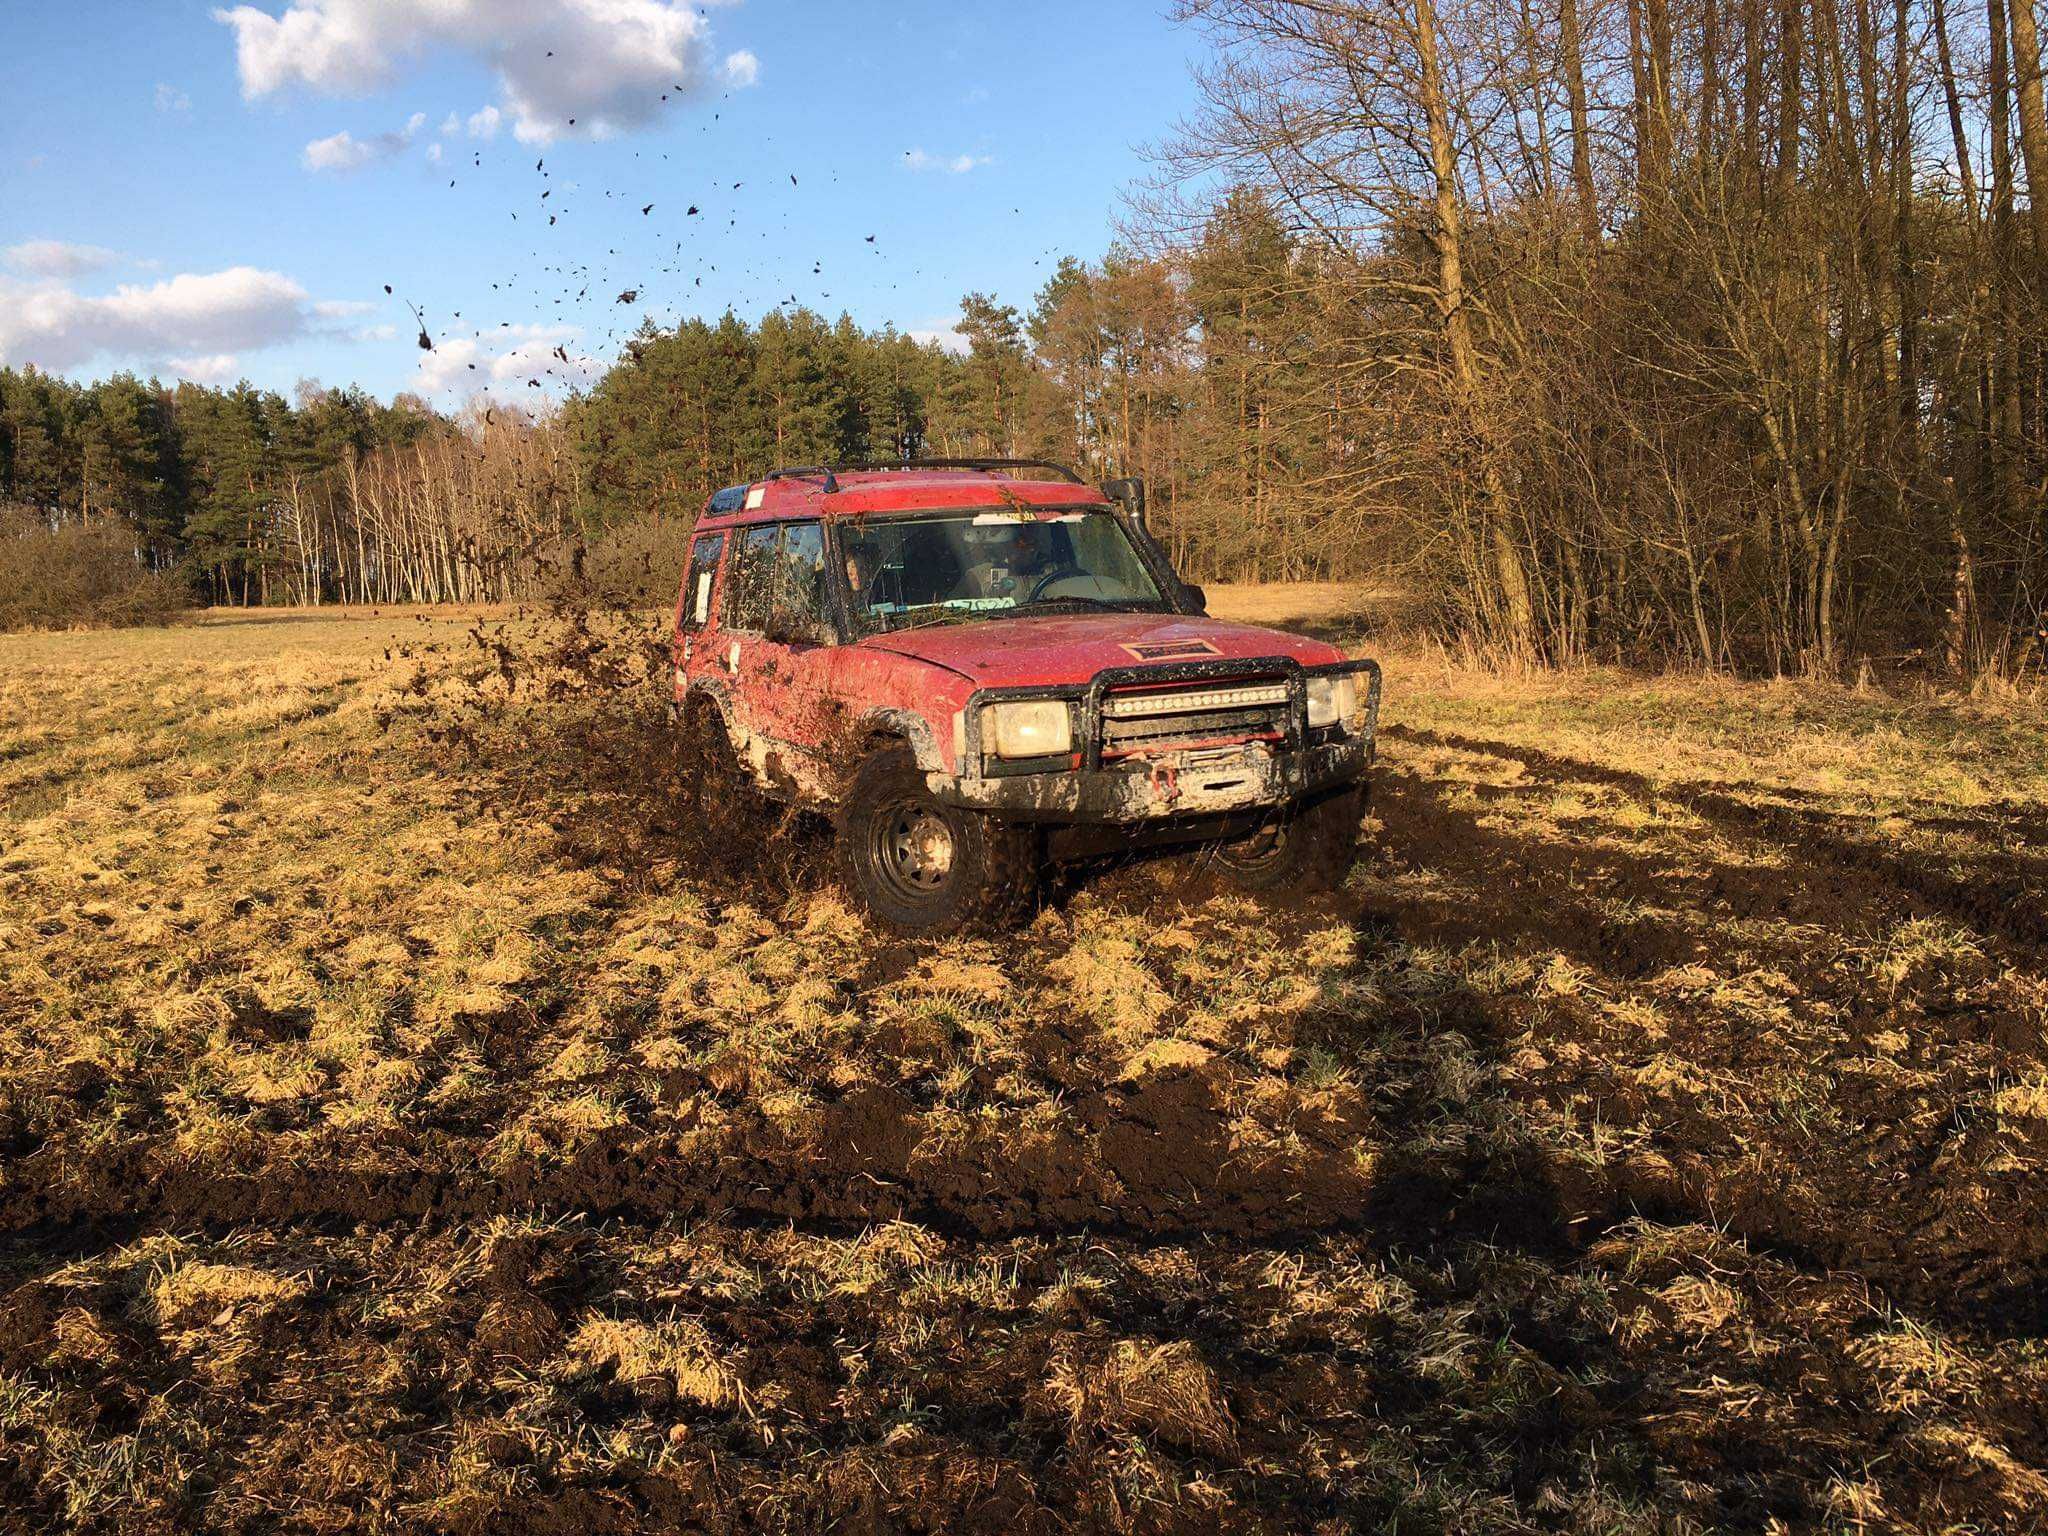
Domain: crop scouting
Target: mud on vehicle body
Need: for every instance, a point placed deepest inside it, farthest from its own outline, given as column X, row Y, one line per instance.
column 977, row 666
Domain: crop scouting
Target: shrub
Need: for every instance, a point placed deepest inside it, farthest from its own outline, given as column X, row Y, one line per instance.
column 79, row 576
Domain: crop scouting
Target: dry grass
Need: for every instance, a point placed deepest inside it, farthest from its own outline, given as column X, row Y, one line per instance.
column 1652, row 1137
column 1140, row 1387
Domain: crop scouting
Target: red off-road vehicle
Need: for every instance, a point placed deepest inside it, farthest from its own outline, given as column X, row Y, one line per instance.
column 974, row 666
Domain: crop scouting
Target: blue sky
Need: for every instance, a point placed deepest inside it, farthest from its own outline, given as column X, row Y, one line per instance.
column 177, row 194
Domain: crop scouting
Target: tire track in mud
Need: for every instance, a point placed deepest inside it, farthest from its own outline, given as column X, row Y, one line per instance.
column 1152, row 1167
column 1289, row 1393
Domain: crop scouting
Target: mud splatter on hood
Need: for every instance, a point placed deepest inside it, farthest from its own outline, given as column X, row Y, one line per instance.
column 1071, row 648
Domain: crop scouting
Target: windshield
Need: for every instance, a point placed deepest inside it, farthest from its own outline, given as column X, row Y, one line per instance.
column 906, row 571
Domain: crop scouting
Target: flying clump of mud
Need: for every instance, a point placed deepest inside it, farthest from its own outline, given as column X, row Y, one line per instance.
column 563, row 714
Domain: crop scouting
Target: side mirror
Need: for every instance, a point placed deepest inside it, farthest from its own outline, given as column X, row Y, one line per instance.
column 1194, row 598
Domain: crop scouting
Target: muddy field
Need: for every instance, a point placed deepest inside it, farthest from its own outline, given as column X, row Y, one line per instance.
column 409, row 1131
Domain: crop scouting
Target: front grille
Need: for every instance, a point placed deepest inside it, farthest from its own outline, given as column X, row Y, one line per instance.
column 1129, row 735
column 1190, row 716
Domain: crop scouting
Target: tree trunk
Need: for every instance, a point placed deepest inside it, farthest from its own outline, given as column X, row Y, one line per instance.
column 1791, row 15
column 1957, row 133
column 1902, row 199
column 1570, row 46
column 1659, row 18
column 1467, row 383
column 2026, row 69
column 1710, row 79
column 1752, row 89
column 2004, row 424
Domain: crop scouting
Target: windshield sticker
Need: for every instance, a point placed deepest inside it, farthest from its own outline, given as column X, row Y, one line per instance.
column 986, row 519
column 1169, row 650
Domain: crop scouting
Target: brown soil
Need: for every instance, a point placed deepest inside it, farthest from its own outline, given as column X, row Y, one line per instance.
column 1355, row 1261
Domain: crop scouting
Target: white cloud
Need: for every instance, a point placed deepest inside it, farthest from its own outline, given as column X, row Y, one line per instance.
column 170, row 99
column 483, row 123
column 450, row 126
column 343, row 151
column 949, row 340
column 192, row 315
column 434, row 153
column 219, row 368
column 505, row 360
column 957, row 165
column 742, row 69
column 57, row 258
column 585, row 67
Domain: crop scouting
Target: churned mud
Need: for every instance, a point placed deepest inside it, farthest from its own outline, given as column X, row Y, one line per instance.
column 464, row 1119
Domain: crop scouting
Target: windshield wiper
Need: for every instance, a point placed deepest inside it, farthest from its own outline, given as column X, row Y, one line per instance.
column 1114, row 604
column 941, row 616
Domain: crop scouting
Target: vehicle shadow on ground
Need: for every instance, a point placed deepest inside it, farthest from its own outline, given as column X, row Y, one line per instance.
column 2002, row 889
column 1759, row 941
column 1493, row 1130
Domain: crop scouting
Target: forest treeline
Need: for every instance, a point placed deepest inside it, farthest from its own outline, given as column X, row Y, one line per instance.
column 1706, row 331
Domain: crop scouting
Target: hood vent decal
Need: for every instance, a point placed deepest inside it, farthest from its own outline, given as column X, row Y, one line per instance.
column 1169, row 650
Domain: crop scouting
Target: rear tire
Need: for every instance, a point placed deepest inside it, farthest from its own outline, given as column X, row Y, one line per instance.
column 1310, row 847
column 923, row 867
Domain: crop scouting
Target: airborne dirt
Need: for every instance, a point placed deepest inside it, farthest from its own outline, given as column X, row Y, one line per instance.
column 408, row 1118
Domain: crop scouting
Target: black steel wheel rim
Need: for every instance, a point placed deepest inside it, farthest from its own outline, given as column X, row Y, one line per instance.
column 1266, row 845
column 912, row 848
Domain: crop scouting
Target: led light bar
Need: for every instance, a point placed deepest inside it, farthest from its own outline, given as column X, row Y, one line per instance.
column 1124, row 706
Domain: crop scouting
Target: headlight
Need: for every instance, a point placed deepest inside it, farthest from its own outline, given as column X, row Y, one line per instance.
column 1331, row 700
column 1030, row 728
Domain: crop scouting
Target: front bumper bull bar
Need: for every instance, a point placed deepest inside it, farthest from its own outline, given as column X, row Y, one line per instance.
column 1181, row 781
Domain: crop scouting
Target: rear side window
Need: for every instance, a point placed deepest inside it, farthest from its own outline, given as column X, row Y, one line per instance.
column 776, row 582
column 750, row 583
column 704, row 553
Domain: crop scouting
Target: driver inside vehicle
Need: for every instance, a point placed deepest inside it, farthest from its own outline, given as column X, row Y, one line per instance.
column 1010, row 563
column 863, row 564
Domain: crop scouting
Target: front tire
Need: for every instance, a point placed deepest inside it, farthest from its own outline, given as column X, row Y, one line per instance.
column 1309, row 847
column 923, row 867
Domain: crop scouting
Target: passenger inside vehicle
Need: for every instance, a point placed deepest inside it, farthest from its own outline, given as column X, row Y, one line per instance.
column 978, row 562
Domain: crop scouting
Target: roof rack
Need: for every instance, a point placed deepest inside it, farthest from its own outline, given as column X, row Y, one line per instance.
column 987, row 465
column 807, row 472
column 829, row 473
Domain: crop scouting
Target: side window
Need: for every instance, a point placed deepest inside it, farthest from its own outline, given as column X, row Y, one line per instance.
column 750, row 580
column 799, row 603
column 704, row 553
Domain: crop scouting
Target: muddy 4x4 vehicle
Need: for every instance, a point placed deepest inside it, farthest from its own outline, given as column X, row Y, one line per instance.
column 975, row 666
